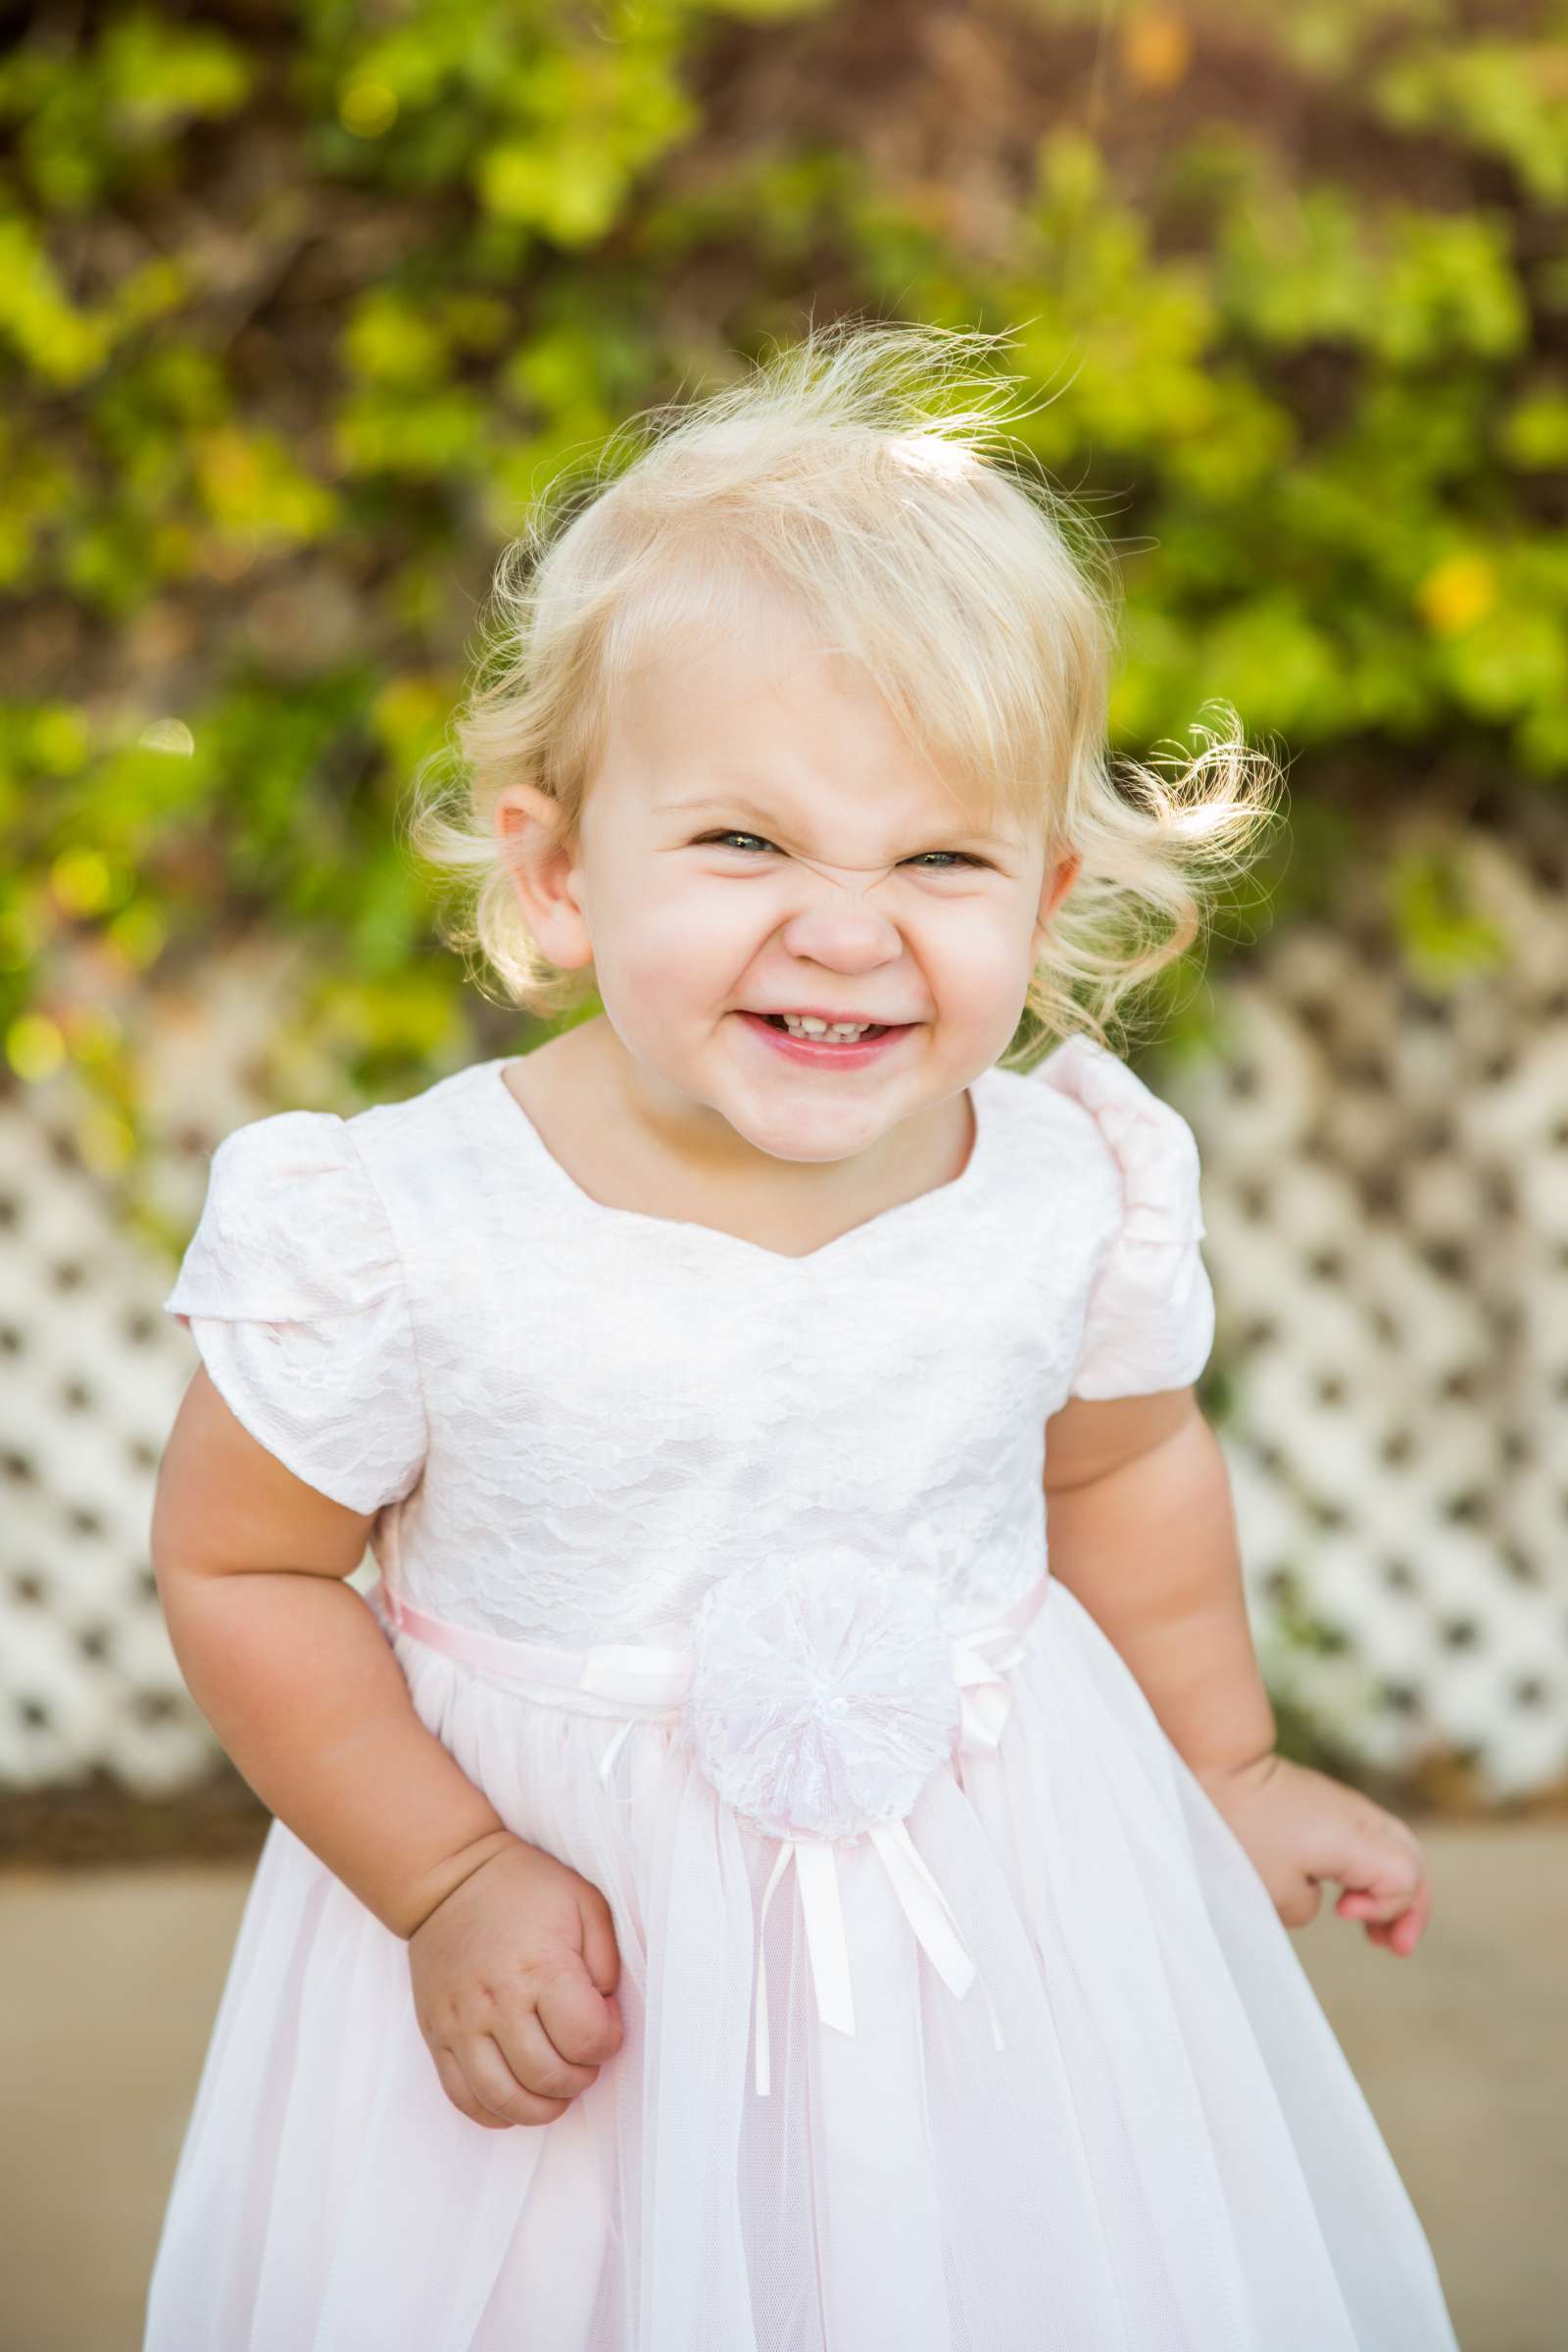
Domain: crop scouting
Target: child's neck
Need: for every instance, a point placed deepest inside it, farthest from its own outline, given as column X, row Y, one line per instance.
column 587, row 1099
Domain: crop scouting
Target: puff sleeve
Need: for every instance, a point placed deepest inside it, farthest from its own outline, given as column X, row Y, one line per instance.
column 293, row 1291
column 1149, row 1321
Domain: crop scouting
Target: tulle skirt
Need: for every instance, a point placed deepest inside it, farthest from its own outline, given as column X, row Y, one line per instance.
column 1169, row 2153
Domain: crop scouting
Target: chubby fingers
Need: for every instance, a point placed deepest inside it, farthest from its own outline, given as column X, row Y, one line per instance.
column 1395, row 1917
column 536, row 2049
column 583, row 2023
column 511, row 2075
column 541, row 2051
column 482, row 2087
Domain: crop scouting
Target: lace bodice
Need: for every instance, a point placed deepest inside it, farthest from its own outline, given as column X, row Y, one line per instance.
column 572, row 1420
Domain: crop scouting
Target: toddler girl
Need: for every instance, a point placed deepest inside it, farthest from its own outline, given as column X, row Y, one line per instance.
column 725, row 1895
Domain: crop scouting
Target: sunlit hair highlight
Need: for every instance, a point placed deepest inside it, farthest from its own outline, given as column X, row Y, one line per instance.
column 865, row 472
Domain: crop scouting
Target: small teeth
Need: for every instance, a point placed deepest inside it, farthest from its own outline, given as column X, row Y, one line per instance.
column 806, row 1024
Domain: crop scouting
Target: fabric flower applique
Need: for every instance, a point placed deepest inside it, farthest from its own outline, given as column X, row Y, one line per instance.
column 822, row 1694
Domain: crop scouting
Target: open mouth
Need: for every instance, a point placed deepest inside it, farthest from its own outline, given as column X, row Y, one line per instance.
column 850, row 1047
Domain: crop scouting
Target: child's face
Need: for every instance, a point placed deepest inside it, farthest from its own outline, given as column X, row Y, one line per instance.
column 761, row 837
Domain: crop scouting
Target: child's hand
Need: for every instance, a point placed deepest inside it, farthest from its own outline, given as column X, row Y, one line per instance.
column 1300, row 1828
column 513, row 1982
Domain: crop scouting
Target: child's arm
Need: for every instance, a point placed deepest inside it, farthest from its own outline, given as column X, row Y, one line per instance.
column 1141, row 1527
column 295, row 1675
column 512, row 1955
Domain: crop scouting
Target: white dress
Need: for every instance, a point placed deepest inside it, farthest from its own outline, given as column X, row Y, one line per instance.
column 705, row 1561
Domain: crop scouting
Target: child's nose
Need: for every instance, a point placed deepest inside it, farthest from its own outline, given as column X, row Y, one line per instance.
column 844, row 932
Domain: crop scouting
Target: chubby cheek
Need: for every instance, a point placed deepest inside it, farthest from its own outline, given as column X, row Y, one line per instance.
column 977, row 964
column 688, row 948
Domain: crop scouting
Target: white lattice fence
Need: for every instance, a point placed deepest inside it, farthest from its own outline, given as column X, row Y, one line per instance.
column 90, row 1385
column 1385, row 1194
column 91, row 1374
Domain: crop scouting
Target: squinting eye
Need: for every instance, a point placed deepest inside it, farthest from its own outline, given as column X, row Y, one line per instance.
column 963, row 856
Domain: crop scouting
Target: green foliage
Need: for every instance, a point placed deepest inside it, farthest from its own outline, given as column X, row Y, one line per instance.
column 299, row 309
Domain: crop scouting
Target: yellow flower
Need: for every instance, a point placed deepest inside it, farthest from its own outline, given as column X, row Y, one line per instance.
column 1156, row 48
column 1457, row 594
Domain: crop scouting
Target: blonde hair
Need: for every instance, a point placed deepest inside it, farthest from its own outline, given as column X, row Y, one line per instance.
column 865, row 469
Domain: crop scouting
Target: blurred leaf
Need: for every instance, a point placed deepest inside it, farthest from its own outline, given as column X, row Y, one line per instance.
column 1441, row 931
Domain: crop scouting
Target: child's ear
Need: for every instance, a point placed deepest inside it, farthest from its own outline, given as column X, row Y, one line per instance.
column 1059, row 879
column 544, row 869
